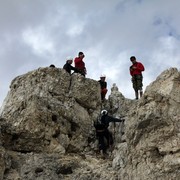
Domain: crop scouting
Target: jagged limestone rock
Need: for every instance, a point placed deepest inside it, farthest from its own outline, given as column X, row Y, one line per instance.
column 153, row 131
column 46, row 110
column 2, row 162
column 47, row 131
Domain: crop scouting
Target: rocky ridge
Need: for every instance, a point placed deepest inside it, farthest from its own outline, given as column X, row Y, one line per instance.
column 46, row 129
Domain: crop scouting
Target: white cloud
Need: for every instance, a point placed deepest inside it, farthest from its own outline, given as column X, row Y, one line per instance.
column 166, row 53
column 38, row 40
column 75, row 30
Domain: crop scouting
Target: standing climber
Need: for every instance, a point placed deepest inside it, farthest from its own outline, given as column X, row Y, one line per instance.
column 79, row 63
column 136, row 72
column 103, row 85
column 68, row 67
column 102, row 131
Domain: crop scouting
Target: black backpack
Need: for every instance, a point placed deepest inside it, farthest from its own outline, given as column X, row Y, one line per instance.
column 100, row 124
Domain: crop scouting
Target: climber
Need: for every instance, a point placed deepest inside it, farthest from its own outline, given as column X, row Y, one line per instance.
column 102, row 131
column 79, row 64
column 136, row 72
column 103, row 85
column 68, row 67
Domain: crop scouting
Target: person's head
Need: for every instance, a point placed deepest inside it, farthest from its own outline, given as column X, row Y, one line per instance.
column 133, row 59
column 81, row 55
column 69, row 60
column 104, row 112
column 103, row 77
column 52, row 66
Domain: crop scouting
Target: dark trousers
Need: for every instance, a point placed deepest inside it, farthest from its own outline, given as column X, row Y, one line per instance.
column 105, row 140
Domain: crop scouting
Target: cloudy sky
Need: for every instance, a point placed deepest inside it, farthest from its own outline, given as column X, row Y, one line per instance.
column 37, row 33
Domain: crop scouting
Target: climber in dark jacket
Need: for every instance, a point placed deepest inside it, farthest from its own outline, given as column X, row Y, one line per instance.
column 103, row 132
column 103, row 85
column 68, row 67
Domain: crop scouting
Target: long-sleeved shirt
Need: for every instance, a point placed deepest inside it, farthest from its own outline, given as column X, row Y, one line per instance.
column 79, row 63
column 103, row 124
column 103, row 84
column 139, row 68
column 68, row 68
column 106, row 119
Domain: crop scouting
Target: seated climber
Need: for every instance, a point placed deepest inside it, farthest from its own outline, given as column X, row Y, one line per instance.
column 68, row 67
column 102, row 131
column 103, row 85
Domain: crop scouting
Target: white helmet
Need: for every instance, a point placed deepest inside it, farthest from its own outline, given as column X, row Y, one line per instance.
column 69, row 58
column 102, row 75
column 104, row 112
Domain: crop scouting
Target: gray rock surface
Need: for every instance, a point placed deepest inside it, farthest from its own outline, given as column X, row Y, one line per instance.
column 153, row 131
column 46, row 129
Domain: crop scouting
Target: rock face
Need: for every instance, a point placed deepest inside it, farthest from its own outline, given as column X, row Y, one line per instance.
column 153, row 131
column 47, row 110
column 46, row 129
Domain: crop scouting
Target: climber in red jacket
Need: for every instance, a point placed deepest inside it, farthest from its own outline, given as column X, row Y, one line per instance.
column 137, row 78
column 79, row 63
column 103, row 85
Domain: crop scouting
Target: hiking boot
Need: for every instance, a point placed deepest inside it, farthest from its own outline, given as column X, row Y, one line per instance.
column 101, row 152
